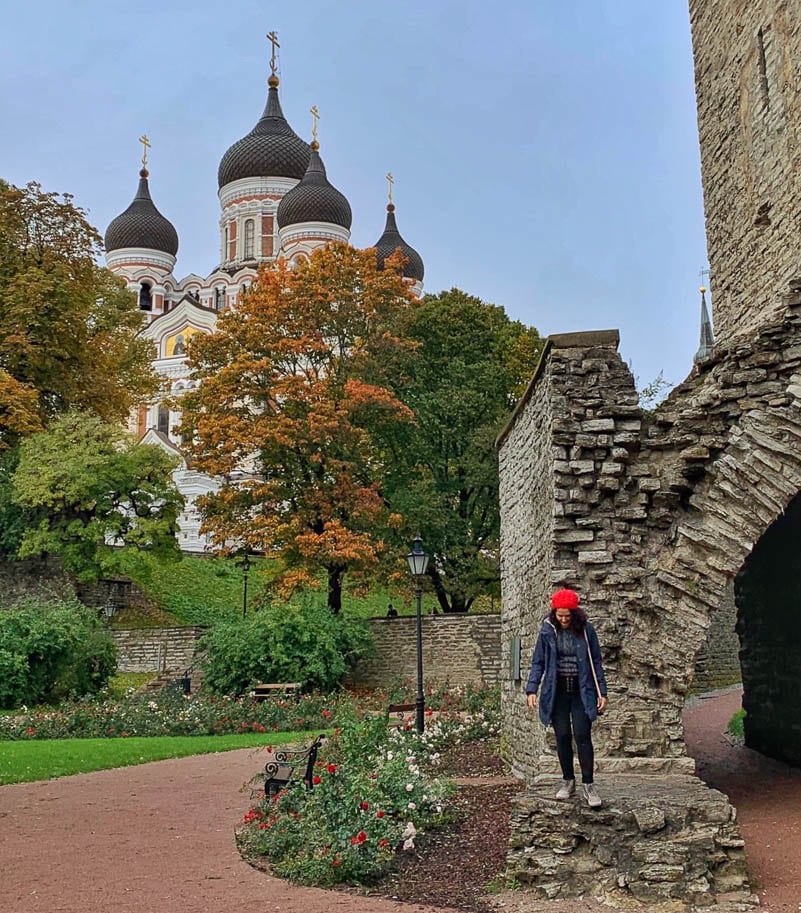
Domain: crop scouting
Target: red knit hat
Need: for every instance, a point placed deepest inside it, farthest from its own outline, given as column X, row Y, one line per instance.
column 565, row 599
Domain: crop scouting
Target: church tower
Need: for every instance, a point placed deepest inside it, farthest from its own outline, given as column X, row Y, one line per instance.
column 391, row 241
column 254, row 175
column 141, row 245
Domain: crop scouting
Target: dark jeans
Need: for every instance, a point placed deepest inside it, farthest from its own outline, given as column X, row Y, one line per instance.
column 567, row 705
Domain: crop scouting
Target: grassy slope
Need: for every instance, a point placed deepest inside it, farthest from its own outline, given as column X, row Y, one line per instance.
column 22, row 762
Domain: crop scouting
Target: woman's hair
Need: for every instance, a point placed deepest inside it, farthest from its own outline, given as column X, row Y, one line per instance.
column 578, row 620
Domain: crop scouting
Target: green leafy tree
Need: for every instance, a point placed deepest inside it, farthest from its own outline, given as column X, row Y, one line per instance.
column 68, row 327
column 85, row 486
column 470, row 365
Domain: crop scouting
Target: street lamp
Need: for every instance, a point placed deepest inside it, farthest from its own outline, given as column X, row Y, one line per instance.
column 110, row 608
column 418, row 562
column 245, row 569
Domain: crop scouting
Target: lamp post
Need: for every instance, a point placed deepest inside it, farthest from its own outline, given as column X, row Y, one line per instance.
column 245, row 569
column 418, row 562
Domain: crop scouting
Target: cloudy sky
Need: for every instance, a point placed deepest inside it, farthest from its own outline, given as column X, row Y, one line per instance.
column 545, row 154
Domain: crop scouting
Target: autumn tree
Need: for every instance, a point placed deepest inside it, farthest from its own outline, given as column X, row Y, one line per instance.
column 291, row 404
column 68, row 327
column 85, row 486
column 469, row 365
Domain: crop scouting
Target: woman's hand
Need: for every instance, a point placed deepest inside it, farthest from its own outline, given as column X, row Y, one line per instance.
column 531, row 700
column 603, row 702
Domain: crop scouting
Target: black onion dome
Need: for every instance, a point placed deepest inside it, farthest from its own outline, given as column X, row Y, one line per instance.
column 390, row 241
column 271, row 149
column 314, row 199
column 142, row 225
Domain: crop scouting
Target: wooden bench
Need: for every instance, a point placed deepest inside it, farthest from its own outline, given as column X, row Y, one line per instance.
column 275, row 689
column 283, row 762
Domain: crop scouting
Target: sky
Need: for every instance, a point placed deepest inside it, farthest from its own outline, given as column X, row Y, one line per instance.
column 545, row 154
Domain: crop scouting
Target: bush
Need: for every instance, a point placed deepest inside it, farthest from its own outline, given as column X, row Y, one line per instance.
column 371, row 795
column 52, row 650
column 293, row 643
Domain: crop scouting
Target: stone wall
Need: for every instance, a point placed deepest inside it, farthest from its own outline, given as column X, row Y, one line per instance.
column 156, row 649
column 652, row 516
column 460, row 649
column 748, row 69
column 718, row 662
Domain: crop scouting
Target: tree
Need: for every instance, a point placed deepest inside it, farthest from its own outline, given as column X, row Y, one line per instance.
column 291, row 402
column 470, row 365
column 85, row 486
column 68, row 328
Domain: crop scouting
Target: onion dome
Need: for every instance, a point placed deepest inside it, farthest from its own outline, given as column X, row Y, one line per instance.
column 142, row 225
column 314, row 199
column 390, row 241
column 271, row 149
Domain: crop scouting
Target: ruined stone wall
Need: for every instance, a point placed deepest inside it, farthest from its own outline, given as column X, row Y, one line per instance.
column 747, row 70
column 650, row 526
column 527, row 502
column 459, row 649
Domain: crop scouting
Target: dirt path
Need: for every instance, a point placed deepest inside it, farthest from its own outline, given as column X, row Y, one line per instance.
column 766, row 793
column 151, row 839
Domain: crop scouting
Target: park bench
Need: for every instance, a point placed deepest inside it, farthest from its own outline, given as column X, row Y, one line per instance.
column 275, row 689
column 282, row 764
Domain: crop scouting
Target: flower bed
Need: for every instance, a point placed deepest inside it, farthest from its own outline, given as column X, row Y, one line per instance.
column 374, row 791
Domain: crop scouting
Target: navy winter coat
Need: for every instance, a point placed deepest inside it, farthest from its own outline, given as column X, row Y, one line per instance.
column 543, row 670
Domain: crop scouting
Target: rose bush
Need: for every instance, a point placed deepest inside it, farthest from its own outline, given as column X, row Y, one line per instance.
column 374, row 791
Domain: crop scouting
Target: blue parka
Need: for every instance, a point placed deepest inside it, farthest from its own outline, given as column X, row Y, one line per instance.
column 543, row 671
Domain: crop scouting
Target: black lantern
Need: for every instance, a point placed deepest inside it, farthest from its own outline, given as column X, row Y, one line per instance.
column 110, row 608
column 418, row 564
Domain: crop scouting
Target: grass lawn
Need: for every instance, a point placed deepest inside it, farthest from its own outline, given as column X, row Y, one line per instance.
column 22, row 762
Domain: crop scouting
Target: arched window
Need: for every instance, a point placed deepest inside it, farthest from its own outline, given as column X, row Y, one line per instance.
column 145, row 297
column 219, row 297
column 164, row 420
column 250, row 235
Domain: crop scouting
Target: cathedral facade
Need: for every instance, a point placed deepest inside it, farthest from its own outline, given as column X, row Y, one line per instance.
column 275, row 201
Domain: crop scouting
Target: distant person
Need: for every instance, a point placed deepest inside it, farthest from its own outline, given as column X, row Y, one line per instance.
column 392, row 612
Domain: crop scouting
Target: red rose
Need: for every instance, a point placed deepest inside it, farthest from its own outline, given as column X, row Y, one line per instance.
column 379, row 814
column 383, row 843
column 317, row 780
column 364, row 806
column 332, row 768
column 326, row 713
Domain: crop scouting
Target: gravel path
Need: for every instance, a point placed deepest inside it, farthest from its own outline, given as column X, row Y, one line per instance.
column 159, row 838
column 766, row 793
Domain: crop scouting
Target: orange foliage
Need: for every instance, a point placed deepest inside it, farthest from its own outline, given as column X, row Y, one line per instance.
column 294, row 384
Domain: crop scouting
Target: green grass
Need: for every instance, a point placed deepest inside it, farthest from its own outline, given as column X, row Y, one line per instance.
column 735, row 726
column 23, row 762
column 120, row 683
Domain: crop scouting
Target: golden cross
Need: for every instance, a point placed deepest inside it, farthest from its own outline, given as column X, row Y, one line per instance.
column 315, row 117
column 145, row 146
column 390, row 181
column 272, row 37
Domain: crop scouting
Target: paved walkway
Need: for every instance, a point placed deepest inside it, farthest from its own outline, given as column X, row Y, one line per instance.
column 159, row 838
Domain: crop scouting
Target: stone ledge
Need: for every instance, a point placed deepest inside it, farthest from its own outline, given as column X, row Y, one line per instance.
column 659, row 838
column 548, row 766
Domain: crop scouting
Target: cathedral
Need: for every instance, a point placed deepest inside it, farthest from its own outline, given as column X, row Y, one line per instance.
column 275, row 201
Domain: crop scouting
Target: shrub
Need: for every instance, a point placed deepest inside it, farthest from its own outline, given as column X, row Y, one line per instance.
column 371, row 795
column 52, row 650
column 294, row 643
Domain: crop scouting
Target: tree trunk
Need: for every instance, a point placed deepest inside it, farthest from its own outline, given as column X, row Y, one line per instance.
column 449, row 603
column 335, row 575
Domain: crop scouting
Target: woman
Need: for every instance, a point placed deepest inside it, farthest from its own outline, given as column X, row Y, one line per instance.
column 567, row 663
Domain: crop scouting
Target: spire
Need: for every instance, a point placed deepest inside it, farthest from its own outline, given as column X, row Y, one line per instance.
column 707, row 341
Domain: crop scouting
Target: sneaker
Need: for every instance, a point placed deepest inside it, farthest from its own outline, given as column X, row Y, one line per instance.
column 590, row 793
column 567, row 789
